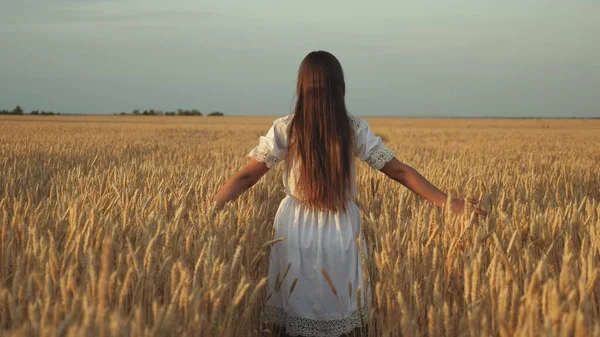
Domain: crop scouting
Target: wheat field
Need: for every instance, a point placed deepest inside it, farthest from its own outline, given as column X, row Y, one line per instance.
column 105, row 228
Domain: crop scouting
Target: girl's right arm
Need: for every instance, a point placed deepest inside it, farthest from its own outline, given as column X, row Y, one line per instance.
column 415, row 182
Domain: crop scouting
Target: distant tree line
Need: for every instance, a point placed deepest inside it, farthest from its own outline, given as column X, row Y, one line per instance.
column 44, row 113
column 19, row 111
column 179, row 112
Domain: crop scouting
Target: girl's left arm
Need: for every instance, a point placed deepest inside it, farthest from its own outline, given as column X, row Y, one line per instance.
column 240, row 182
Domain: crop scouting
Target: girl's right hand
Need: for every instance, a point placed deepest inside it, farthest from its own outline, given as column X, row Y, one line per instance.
column 457, row 206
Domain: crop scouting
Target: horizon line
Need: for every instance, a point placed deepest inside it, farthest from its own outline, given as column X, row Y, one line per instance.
column 375, row 116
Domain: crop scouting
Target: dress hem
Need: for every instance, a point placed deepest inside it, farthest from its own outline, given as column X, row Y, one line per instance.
column 300, row 326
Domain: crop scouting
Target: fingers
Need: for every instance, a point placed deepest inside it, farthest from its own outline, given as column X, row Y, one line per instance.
column 481, row 212
column 470, row 207
column 477, row 210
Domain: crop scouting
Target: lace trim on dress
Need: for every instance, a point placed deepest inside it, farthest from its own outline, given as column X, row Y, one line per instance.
column 358, row 124
column 380, row 156
column 287, row 118
column 274, row 315
column 265, row 155
column 299, row 326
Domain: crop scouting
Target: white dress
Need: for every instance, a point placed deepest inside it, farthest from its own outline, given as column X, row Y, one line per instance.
column 316, row 240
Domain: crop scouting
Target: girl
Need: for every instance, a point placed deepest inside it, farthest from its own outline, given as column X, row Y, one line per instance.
column 315, row 272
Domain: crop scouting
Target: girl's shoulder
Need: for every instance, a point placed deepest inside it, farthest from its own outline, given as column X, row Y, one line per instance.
column 282, row 124
column 356, row 123
column 284, row 120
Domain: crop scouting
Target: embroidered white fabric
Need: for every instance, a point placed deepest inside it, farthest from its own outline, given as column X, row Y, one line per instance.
column 299, row 326
column 271, row 148
column 379, row 157
column 265, row 155
column 358, row 124
column 376, row 156
column 370, row 147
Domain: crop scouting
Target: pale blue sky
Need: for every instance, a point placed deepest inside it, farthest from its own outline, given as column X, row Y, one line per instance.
column 418, row 58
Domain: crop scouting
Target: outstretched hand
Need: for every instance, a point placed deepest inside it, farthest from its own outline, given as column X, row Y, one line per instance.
column 458, row 205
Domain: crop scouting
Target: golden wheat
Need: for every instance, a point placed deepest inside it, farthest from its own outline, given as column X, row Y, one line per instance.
column 106, row 229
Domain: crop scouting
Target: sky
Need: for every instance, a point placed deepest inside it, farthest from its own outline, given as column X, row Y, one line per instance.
column 455, row 58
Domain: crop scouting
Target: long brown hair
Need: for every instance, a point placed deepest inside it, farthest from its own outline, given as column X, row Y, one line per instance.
column 320, row 133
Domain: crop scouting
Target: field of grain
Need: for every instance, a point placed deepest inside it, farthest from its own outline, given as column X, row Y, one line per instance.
column 104, row 228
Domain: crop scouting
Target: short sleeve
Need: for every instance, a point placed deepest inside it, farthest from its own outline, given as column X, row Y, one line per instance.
column 370, row 148
column 272, row 147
